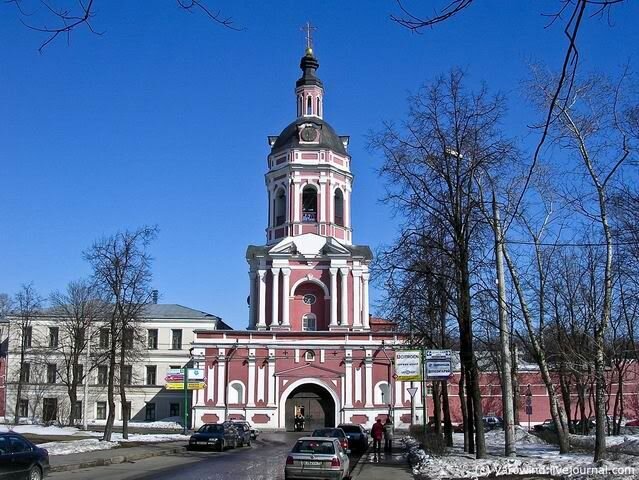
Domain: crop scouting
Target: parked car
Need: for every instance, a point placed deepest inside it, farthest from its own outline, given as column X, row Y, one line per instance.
column 632, row 423
column 217, row 435
column 21, row 459
column 254, row 431
column 317, row 457
column 357, row 436
column 547, row 425
column 244, row 433
column 333, row 433
column 492, row 422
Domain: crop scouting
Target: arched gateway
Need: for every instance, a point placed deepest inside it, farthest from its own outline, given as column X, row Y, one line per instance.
column 318, row 403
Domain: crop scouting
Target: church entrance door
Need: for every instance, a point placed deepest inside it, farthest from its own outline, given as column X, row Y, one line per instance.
column 314, row 403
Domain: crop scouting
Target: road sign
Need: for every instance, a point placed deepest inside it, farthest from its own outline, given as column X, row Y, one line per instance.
column 529, row 400
column 528, row 409
column 412, row 391
column 408, row 365
column 438, row 369
column 439, row 354
column 180, row 386
column 177, row 374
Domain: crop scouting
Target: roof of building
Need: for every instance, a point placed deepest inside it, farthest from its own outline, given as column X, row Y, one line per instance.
column 328, row 138
column 170, row 311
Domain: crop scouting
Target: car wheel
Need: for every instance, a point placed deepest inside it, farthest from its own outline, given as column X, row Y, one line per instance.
column 35, row 474
column 249, row 443
column 220, row 446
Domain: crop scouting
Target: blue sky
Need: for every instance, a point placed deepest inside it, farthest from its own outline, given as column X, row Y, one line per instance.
column 163, row 120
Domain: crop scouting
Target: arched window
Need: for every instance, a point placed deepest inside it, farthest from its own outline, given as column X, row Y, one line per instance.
column 309, row 204
column 299, row 106
column 309, row 323
column 309, row 106
column 319, row 107
column 236, row 393
column 382, row 394
column 338, row 203
column 309, row 356
column 280, row 207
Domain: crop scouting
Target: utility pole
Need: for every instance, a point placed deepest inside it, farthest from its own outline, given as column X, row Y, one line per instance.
column 504, row 337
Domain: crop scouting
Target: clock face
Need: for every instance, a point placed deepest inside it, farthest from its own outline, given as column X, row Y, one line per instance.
column 309, row 299
column 309, row 134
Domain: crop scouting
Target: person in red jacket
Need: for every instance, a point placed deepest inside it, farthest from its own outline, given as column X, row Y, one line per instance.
column 377, row 432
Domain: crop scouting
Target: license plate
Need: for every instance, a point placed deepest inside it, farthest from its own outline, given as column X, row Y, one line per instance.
column 313, row 464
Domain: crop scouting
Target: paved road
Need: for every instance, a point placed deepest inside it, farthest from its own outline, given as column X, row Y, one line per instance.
column 264, row 460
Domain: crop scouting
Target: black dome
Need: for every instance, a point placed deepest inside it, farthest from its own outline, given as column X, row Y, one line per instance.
column 289, row 138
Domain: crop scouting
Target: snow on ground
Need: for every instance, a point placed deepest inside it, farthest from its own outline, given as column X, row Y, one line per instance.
column 87, row 444
column 534, row 456
column 42, row 430
column 77, row 446
column 169, row 422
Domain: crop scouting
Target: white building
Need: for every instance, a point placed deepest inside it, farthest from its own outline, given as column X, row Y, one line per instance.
column 168, row 333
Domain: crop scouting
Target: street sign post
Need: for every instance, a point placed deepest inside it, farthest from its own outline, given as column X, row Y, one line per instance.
column 408, row 365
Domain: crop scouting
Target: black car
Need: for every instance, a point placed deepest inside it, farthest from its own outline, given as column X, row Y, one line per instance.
column 357, row 436
column 333, row 433
column 244, row 432
column 217, row 435
column 21, row 459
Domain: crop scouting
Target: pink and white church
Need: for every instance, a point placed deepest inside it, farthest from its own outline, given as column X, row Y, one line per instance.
column 311, row 345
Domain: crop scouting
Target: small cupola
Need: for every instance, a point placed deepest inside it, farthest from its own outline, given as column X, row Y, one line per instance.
column 309, row 90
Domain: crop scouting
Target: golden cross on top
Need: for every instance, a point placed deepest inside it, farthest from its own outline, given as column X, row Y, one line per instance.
column 308, row 28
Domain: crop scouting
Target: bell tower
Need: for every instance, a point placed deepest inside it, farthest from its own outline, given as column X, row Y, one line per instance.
column 309, row 276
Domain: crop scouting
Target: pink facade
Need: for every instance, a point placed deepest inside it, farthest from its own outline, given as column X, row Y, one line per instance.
column 310, row 345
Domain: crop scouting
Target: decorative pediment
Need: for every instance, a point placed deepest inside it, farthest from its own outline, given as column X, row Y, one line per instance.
column 309, row 245
column 309, row 370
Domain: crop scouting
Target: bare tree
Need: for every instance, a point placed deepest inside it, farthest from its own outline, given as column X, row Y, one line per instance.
column 572, row 14
column 59, row 18
column 78, row 312
column 122, row 270
column 28, row 305
column 593, row 125
column 448, row 146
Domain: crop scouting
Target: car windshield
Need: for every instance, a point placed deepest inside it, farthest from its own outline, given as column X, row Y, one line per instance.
column 350, row 428
column 317, row 447
column 211, row 429
column 328, row 432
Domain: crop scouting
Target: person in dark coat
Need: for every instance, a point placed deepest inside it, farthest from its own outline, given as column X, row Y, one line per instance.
column 377, row 432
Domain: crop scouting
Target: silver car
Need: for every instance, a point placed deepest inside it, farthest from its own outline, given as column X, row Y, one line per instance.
column 317, row 457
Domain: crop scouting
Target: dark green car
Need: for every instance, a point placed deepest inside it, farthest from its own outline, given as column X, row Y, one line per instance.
column 215, row 435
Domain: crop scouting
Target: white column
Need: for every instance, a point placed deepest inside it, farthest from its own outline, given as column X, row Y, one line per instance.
column 252, row 301
column 348, row 380
column 250, row 388
column 358, row 385
column 276, row 296
column 333, row 296
column 357, row 312
column 210, row 387
column 271, row 378
column 398, row 393
column 286, row 302
column 260, row 382
column 365, row 312
column 296, row 200
column 322, row 206
column 221, row 377
column 369, row 381
column 261, row 286
column 344, row 273
column 347, row 206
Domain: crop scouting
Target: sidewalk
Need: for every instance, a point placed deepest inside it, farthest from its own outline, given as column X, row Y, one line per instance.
column 386, row 466
column 75, row 461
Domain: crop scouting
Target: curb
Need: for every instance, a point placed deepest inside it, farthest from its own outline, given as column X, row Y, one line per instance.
column 116, row 459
